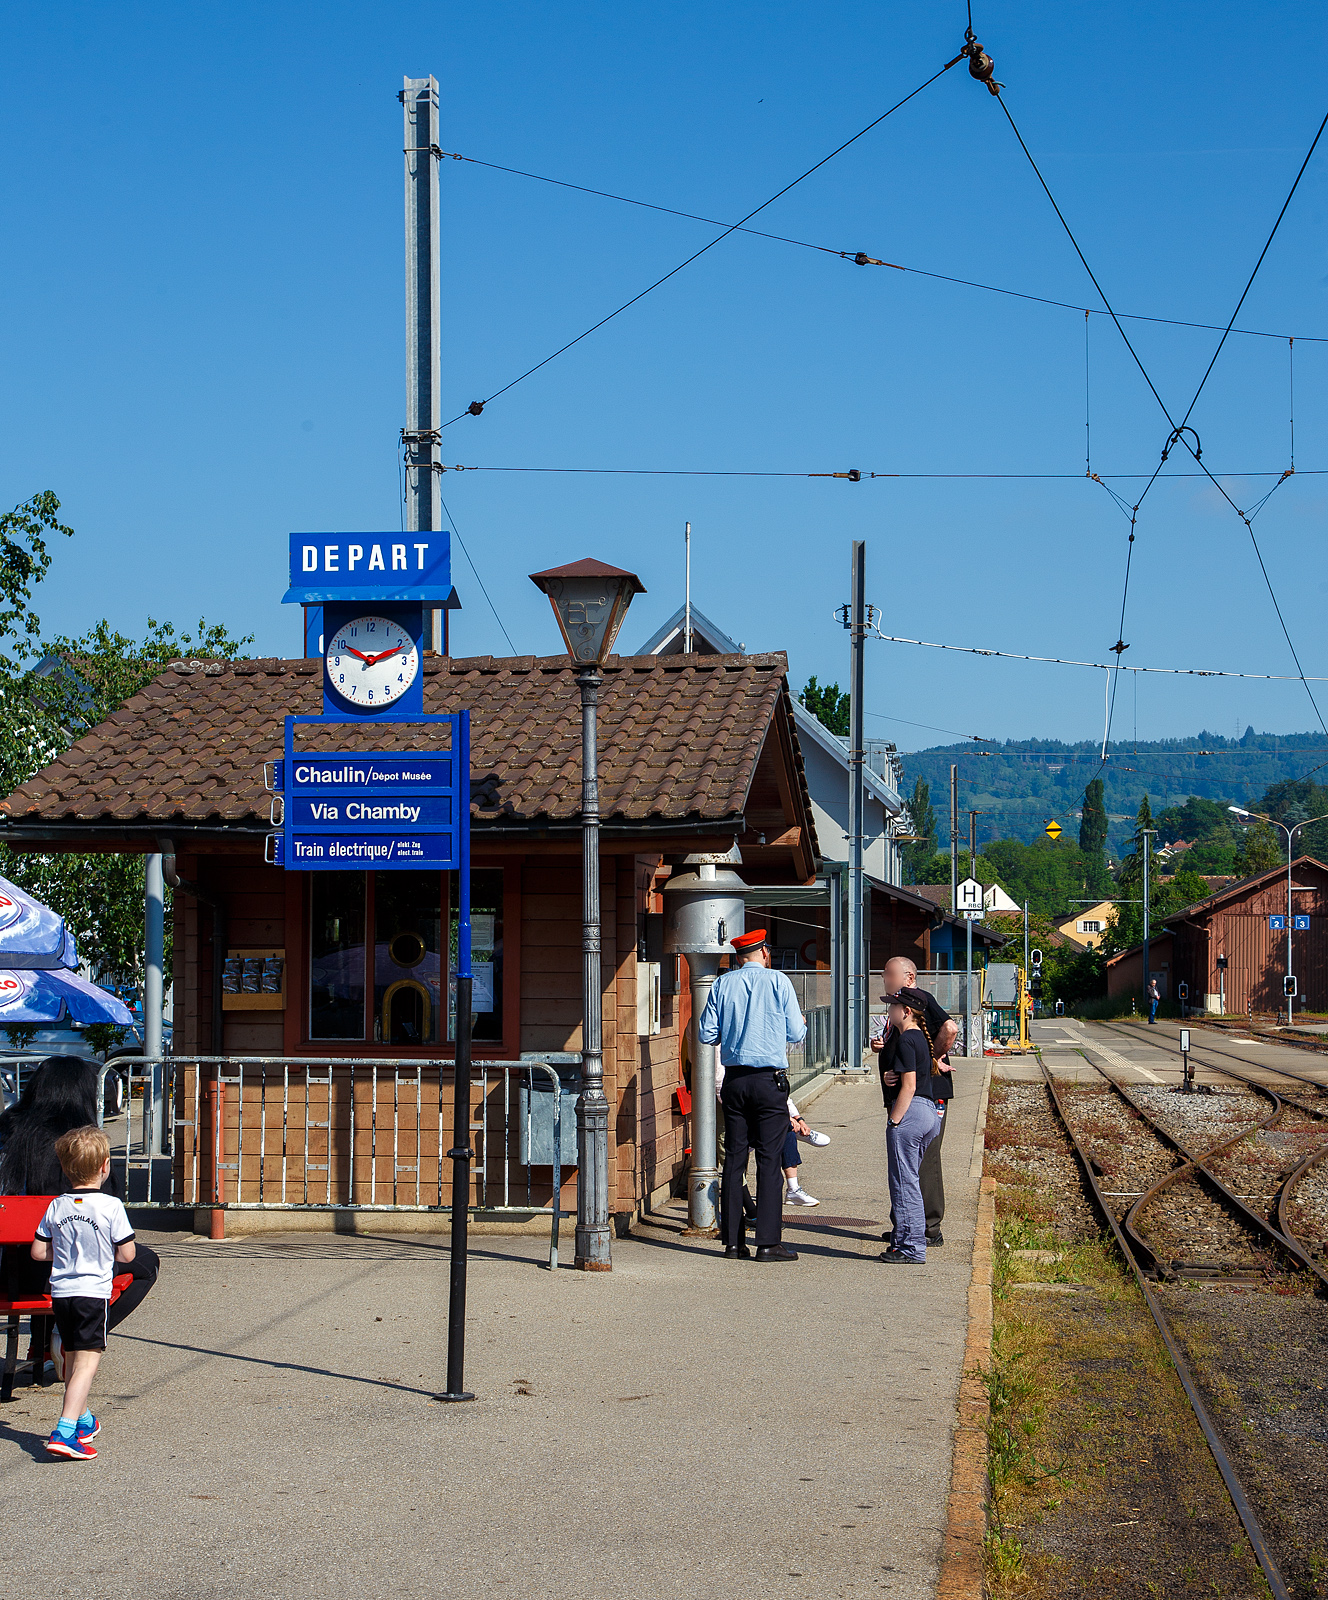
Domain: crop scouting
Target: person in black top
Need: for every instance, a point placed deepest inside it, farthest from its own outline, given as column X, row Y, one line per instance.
column 914, row 1122
column 59, row 1096
column 901, row 973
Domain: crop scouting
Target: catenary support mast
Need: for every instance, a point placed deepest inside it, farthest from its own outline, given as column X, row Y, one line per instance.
column 420, row 438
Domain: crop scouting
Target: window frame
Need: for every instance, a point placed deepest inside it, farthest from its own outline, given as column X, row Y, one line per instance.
column 297, row 1042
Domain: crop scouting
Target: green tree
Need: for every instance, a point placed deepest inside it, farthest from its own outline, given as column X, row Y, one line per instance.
column 75, row 684
column 1093, row 839
column 827, row 705
column 1259, row 850
column 921, row 822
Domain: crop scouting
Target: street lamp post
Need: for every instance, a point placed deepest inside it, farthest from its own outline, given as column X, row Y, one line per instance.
column 590, row 601
column 1240, row 811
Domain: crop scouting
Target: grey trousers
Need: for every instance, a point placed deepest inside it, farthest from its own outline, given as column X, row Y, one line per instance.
column 932, row 1179
column 907, row 1142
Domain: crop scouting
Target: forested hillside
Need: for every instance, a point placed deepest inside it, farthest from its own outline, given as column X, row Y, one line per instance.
column 1020, row 784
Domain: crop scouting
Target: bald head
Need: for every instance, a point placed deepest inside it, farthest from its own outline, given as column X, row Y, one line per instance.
column 900, row 973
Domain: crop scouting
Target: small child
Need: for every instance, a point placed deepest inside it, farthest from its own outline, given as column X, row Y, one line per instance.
column 83, row 1234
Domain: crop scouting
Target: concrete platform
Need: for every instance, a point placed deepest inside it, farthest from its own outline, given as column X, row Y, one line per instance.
column 682, row 1426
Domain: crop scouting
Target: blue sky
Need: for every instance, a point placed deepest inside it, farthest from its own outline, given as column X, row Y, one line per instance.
column 203, row 325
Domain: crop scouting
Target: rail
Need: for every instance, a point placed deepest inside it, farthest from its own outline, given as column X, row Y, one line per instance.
column 1244, row 1510
column 333, row 1134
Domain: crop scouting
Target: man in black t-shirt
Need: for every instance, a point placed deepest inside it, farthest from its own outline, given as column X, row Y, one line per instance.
column 900, row 973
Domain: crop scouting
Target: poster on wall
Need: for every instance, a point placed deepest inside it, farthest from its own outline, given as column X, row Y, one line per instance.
column 481, row 931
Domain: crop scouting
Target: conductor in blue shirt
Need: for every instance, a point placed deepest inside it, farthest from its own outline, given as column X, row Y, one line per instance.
column 753, row 1016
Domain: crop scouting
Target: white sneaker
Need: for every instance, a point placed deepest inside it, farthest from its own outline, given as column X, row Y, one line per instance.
column 813, row 1137
column 800, row 1197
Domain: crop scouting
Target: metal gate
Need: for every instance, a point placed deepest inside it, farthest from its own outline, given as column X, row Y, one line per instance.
column 310, row 1133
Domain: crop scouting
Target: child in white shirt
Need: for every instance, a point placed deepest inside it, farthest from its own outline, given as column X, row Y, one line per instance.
column 83, row 1234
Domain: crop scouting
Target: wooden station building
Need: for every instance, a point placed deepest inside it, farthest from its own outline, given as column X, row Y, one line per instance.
column 696, row 752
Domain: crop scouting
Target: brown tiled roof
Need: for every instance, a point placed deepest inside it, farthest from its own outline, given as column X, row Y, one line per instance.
column 937, row 893
column 679, row 739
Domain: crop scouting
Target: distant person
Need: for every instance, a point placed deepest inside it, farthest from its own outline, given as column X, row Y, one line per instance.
column 59, row 1096
column 753, row 1016
column 900, row 973
column 914, row 1124
column 83, row 1235
column 1153, row 997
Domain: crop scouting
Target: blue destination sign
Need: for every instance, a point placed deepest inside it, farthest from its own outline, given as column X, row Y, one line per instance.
column 376, row 774
column 381, row 811
column 330, row 567
column 342, row 851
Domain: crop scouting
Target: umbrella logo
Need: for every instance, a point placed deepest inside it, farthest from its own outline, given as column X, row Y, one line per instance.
column 12, row 989
column 10, row 910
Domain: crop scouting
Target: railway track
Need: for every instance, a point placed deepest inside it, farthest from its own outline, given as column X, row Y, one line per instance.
column 1166, row 1170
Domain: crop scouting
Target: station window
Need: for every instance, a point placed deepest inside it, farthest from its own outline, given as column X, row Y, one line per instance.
column 408, row 917
column 406, row 912
column 336, row 955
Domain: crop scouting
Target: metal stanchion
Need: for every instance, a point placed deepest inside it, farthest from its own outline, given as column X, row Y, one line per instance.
column 461, row 1156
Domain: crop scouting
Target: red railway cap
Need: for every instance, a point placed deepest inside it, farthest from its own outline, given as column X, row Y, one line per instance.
column 745, row 943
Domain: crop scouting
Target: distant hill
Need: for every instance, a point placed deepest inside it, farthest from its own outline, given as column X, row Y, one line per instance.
column 1022, row 783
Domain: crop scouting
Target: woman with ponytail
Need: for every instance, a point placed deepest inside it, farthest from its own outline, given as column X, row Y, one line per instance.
column 914, row 1122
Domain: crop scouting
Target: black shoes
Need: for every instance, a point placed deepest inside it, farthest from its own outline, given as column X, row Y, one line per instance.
column 889, row 1236
column 936, row 1238
column 737, row 1252
column 776, row 1252
column 896, row 1258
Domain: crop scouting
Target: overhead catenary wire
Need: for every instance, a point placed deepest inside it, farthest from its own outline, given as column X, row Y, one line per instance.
column 860, row 258
column 1096, row 666
column 476, row 406
column 452, row 520
column 855, row 475
column 1179, row 432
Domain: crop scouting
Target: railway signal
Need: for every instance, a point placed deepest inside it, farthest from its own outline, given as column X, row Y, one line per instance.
column 1187, row 1068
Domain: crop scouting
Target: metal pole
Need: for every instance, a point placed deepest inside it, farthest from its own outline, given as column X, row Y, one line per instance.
column 1289, row 833
column 154, row 951
column 954, row 836
column 1025, row 941
column 1148, row 859
column 703, row 1187
column 461, row 1152
column 593, row 1253
column 857, row 981
column 420, row 438
column 687, row 624
column 968, row 989
column 838, row 987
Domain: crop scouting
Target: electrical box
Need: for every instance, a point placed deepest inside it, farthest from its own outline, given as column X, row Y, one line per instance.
column 650, row 943
column 535, row 1113
column 647, row 998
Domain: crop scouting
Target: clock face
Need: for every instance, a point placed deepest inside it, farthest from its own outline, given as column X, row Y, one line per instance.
column 371, row 661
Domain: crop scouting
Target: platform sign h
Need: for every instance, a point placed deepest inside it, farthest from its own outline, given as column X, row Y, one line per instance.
column 968, row 895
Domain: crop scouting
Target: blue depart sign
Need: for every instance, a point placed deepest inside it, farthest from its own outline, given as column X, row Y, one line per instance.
column 374, row 810
column 353, row 567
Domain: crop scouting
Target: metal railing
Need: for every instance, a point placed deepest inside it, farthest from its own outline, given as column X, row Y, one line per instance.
column 311, row 1133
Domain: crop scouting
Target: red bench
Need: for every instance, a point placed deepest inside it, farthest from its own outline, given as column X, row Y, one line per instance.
column 19, row 1216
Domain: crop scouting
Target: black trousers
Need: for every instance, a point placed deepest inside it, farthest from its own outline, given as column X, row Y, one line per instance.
column 26, row 1278
column 932, row 1181
column 756, row 1118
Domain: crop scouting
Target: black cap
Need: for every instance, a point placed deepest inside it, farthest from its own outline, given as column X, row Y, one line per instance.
column 914, row 999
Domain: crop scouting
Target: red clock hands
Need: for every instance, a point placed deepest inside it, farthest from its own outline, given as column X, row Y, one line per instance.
column 382, row 655
column 368, row 660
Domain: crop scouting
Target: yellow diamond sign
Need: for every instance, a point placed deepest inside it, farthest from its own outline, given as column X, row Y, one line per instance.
column 1053, row 829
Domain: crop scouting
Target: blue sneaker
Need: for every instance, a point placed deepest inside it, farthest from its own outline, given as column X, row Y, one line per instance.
column 74, row 1449
column 83, row 1432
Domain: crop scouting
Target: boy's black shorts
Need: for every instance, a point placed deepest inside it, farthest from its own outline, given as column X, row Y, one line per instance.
column 81, row 1321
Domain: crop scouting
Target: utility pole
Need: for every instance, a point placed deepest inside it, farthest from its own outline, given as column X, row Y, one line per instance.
column 687, row 619
column 857, row 977
column 420, row 438
column 971, row 1017
column 1148, row 866
column 954, row 836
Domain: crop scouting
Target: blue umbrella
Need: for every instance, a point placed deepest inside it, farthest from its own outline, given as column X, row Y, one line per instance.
column 39, row 979
column 45, row 996
column 32, row 936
